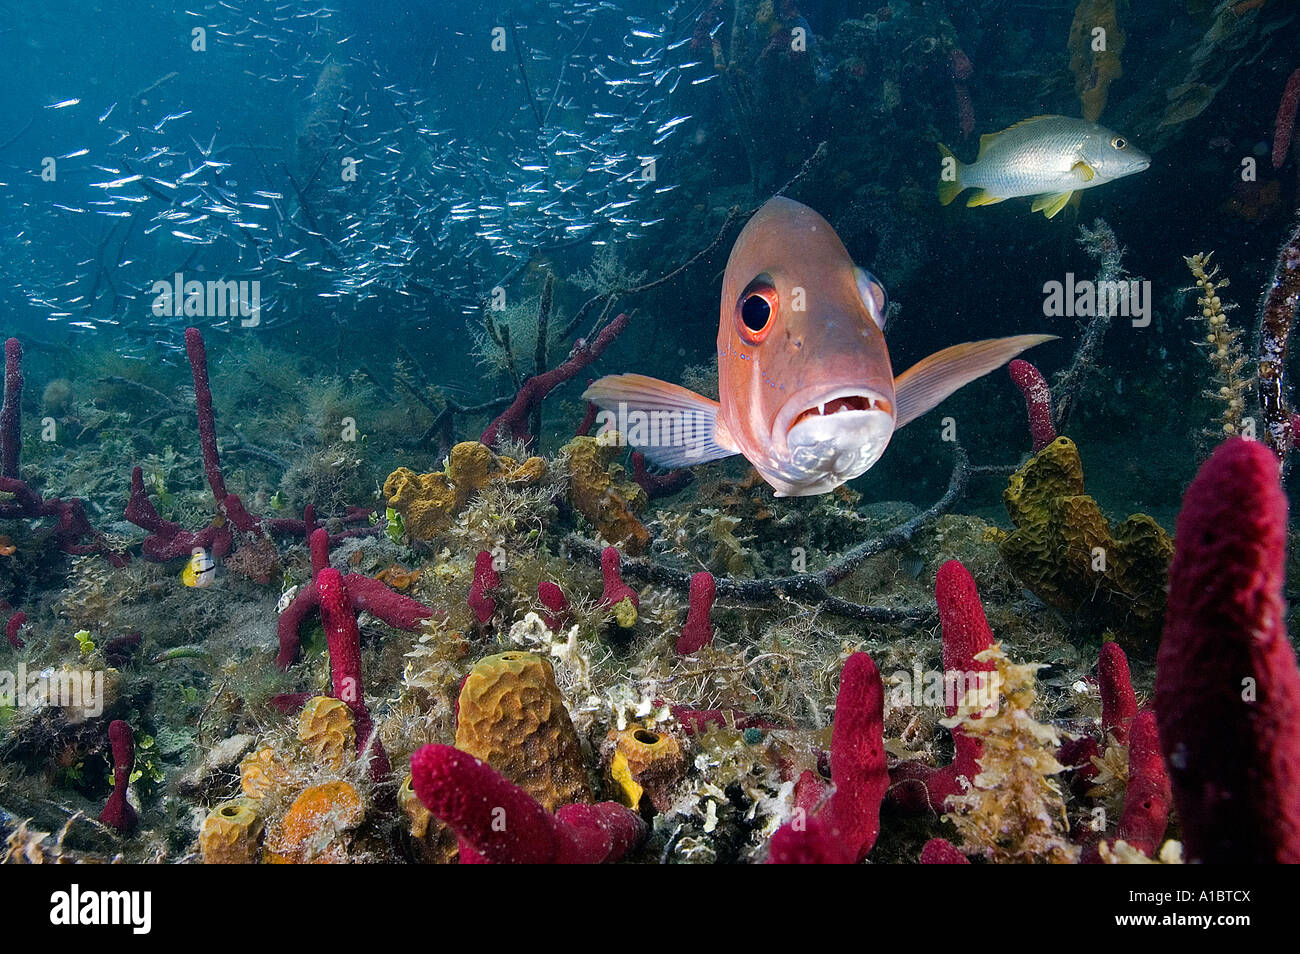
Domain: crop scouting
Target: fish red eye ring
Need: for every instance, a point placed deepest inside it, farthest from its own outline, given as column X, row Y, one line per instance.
column 756, row 312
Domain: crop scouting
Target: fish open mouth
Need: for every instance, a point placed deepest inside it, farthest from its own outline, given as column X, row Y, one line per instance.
column 848, row 402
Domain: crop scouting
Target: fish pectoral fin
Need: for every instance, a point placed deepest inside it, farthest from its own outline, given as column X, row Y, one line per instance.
column 984, row 197
column 1051, row 203
column 1084, row 171
column 926, row 383
column 671, row 425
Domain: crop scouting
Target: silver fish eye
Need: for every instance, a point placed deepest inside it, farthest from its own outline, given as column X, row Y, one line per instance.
column 1119, row 142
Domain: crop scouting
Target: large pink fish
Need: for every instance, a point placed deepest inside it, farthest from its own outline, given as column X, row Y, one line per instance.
column 807, row 392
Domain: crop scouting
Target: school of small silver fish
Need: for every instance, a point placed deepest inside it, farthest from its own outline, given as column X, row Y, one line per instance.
column 441, row 216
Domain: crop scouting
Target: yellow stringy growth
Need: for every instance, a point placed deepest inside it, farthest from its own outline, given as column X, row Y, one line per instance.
column 1014, row 811
column 1222, row 348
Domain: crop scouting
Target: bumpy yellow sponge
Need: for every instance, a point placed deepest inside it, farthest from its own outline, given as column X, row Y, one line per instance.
column 326, row 727
column 231, row 834
column 1064, row 550
column 597, row 491
column 260, row 772
column 512, row 716
column 429, row 503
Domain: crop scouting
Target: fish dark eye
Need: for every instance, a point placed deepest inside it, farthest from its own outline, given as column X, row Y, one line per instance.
column 1119, row 142
column 755, row 310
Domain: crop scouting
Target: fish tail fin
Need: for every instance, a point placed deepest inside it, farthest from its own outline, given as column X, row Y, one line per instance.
column 949, row 176
column 922, row 386
column 672, row 426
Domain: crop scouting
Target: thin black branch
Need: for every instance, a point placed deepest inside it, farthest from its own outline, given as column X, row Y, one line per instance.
column 807, row 588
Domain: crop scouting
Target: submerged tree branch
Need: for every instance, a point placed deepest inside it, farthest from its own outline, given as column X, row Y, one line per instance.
column 809, row 588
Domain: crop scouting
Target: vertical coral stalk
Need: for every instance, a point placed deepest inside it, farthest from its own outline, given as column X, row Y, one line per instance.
column 698, row 631
column 1038, row 401
column 1118, row 701
column 11, row 438
column 1227, row 686
column 344, row 639
column 118, row 812
column 1146, row 802
column 228, row 503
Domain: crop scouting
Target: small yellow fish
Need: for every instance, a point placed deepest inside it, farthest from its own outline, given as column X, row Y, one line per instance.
column 1048, row 157
column 201, row 569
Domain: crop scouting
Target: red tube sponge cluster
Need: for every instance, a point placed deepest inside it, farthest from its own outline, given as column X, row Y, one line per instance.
column 1227, row 686
column 72, row 524
column 338, row 615
column 364, row 593
column 506, row 825
column 1147, row 799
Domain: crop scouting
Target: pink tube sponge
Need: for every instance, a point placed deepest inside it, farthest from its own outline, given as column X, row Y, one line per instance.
column 485, row 578
column 1227, row 687
column 118, row 812
column 506, row 825
column 1118, row 701
column 846, row 828
column 698, row 631
column 1038, row 401
column 616, row 591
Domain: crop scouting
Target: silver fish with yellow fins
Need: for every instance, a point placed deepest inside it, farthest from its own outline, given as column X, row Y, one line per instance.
column 1048, row 157
column 807, row 392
